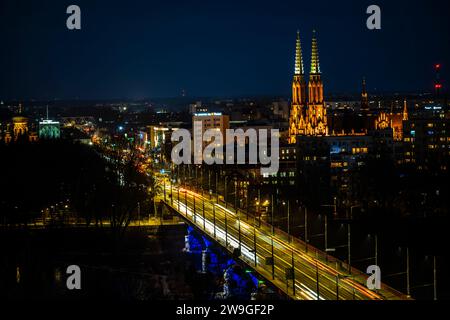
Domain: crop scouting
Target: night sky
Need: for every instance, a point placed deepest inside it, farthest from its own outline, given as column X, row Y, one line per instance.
column 148, row 49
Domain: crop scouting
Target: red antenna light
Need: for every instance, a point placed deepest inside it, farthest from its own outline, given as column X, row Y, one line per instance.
column 437, row 82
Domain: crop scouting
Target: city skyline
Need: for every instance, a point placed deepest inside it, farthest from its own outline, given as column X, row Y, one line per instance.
column 202, row 56
column 205, row 151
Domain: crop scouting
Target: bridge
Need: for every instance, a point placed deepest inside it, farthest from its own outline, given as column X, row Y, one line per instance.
column 295, row 267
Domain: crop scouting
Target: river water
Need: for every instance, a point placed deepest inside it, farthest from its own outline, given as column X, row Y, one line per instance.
column 166, row 263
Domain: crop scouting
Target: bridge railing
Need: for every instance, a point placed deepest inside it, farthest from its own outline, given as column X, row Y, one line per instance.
column 340, row 266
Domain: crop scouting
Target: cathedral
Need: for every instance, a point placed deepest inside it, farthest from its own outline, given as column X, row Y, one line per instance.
column 308, row 113
column 17, row 129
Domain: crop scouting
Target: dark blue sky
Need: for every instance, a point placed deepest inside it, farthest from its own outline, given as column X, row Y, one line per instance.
column 136, row 49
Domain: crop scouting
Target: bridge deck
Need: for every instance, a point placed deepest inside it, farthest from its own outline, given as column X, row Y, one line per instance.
column 300, row 270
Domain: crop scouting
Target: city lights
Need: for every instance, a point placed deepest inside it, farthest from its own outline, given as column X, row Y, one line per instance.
column 223, row 159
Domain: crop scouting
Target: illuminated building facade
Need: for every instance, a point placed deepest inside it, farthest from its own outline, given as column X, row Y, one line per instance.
column 297, row 116
column 213, row 120
column 18, row 129
column 157, row 136
column 20, row 126
column 394, row 121
column 287, row 172
column 427, row 140
column 209, row 121
column 308, row 112
column 49, row 129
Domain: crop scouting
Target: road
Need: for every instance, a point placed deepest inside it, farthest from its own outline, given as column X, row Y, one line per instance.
column 301, row 271
column 152, row 222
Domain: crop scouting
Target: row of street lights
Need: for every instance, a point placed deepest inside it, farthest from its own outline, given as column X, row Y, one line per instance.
column 271, row 203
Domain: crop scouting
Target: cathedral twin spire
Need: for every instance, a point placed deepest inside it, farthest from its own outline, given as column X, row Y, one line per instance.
column 299, row 70
column 315, row 61
column 308, row 116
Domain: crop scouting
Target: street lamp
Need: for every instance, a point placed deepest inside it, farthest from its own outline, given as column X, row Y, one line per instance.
column 217, row 188
column 209, row 184
column 434, row 279
column 204, row 217
column 339, row 277
column 349, row 235
column 225, row 198
column 235, row 194
column 408, row 288
column 306, row 229
column 376, row 250
column 164, row 186
column 326, row 221
column 271, row 220
column 288, row 219
column 171, row 191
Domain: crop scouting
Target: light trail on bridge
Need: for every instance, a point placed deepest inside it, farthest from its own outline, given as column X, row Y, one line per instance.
column 312, row 278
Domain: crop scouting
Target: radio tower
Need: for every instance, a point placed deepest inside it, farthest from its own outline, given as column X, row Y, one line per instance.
column 437, row 83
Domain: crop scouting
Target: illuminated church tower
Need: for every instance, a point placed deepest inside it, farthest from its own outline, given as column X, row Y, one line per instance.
column 316, row 112
column 297, row 119
column 364, row 97
column 308, row 113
